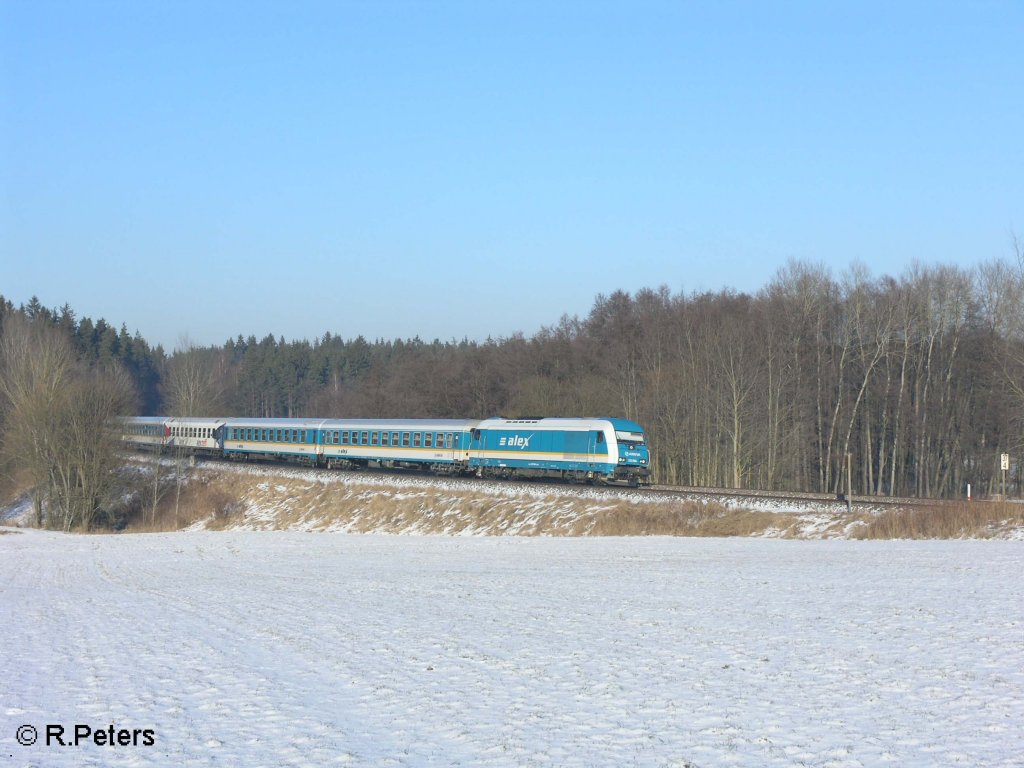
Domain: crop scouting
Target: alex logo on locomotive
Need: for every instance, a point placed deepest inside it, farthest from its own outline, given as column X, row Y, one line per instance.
column 516, row 441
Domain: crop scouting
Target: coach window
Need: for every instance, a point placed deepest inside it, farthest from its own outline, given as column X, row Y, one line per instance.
column 416, row 439
column 394, row 439
column 405, row 439
column 366, row 438
column 428, row 440
column 375, row 438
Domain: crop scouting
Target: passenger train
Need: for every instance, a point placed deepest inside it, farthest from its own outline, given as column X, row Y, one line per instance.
column 598, row 450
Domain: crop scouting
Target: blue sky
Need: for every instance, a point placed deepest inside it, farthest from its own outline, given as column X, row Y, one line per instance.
column 479, row 168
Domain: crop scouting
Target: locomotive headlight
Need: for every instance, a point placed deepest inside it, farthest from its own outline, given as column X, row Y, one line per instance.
column 621, row 459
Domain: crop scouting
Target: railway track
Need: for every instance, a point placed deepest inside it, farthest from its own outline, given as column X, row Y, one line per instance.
column 821, row 498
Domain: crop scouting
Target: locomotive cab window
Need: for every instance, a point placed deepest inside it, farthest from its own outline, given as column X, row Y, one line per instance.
column 631, row 439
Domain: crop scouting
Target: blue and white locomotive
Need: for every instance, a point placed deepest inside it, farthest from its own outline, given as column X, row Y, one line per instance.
column 596, row 450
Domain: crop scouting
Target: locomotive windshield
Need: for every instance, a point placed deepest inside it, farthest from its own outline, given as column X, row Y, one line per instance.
column 631, row 439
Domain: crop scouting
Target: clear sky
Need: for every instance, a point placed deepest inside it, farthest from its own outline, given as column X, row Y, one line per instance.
column 451, row 169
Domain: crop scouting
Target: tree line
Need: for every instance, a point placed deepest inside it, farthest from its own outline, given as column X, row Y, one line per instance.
column 918, row 378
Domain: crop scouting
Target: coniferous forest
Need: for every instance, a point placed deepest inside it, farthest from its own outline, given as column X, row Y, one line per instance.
column 920, row 377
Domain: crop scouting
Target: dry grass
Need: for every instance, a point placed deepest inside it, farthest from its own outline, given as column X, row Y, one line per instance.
column 688, row 519
column 205, row 496
column 952, row 520
column 229, row 500
column 287, row 503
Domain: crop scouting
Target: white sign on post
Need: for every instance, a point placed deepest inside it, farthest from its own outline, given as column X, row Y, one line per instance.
column 1004, row 461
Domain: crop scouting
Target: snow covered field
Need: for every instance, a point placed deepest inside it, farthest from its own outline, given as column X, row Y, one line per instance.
column 281, row 648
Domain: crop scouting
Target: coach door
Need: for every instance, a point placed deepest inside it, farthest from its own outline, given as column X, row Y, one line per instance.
column 477, row 440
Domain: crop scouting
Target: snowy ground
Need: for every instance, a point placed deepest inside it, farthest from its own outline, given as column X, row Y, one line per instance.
column 267, row 649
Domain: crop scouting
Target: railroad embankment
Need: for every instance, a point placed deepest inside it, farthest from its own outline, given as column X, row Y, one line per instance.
column 225, row 496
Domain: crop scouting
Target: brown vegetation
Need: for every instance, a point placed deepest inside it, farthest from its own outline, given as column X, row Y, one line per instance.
column 950, row 520
column 268, row 502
